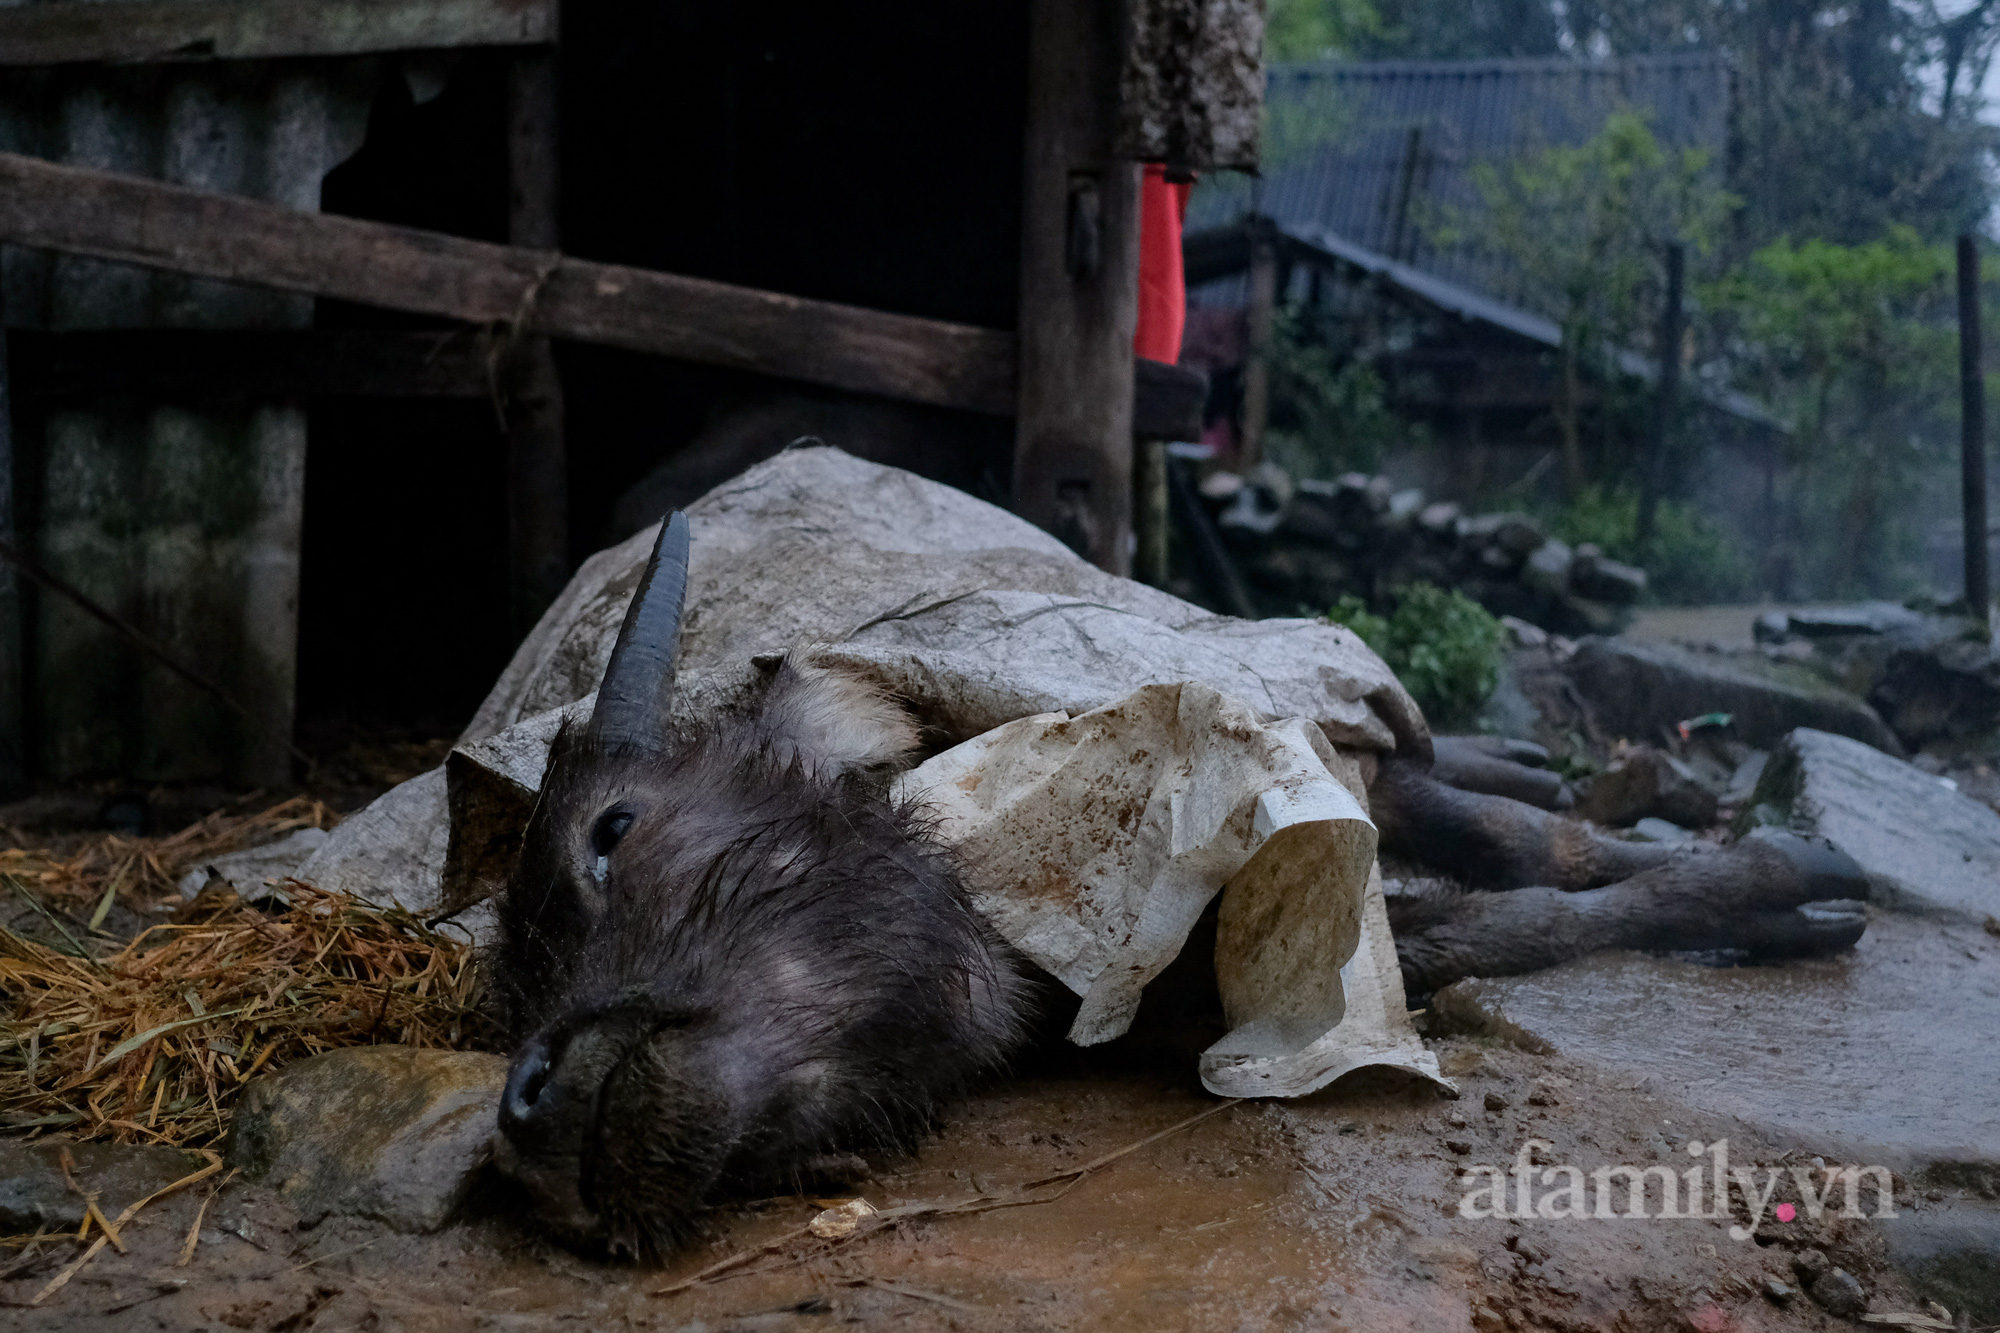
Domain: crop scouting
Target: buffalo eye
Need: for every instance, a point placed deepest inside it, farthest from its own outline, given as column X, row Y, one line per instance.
column 604, row 835
column 609, row 828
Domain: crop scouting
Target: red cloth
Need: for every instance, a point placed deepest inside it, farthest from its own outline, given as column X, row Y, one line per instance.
column 1162, row 281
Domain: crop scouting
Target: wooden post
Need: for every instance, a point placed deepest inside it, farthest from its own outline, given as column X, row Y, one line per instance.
column 1079, row 286
column 1150, row 513
column 1653, row 476
column 1257, row 346
column 1972, row 429
column 537, row 458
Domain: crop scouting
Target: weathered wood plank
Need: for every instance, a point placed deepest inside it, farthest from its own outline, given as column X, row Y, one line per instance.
column 1079, row 286
column 140, row 31
column 137, row 221
column 204, row 364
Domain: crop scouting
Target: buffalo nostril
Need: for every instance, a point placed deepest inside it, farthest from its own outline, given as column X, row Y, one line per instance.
column 525, row 1081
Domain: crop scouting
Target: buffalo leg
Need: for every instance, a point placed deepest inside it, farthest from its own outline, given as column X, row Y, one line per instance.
column 1751, row 896
column 1495, row 842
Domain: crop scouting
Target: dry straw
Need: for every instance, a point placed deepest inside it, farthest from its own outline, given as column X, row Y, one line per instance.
column 151, row 1043
column 111, row 868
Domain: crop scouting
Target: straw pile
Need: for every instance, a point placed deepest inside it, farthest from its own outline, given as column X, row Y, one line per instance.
column 139, row 871
column 152, row 1043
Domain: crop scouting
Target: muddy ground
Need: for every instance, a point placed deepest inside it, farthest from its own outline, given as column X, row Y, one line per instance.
column 1340, row 1211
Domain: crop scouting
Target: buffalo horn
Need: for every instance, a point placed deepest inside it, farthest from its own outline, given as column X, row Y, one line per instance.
column 632, row 699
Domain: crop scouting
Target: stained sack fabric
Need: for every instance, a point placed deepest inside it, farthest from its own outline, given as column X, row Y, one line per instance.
column 1094, row 843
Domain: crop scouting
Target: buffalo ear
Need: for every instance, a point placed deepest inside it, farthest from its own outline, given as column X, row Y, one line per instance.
column 638, row 682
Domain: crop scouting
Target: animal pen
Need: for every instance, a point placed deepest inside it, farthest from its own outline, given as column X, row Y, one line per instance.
column 286, row 282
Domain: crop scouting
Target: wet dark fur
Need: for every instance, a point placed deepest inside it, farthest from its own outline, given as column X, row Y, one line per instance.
column 781, row 964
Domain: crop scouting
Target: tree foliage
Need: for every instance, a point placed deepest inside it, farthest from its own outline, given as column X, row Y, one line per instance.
column 1585, row 227
column 1856, row 344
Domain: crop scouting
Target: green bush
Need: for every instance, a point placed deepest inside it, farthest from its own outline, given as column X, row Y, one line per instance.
column 1691, row 559
column 1441, row 644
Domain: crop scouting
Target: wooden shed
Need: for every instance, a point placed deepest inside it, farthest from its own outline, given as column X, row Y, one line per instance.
column 336, row 328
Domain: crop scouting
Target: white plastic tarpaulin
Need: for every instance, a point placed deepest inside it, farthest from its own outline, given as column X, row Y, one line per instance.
column 1110, row 758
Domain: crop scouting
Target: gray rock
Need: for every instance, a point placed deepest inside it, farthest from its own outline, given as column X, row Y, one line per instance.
column 1547, row 570
column 34, row 1195
column 387, row 1132
column 1605, row 580
column 1643, row 782
column 1314, row 516
column 1643, row 690
column 1404, row 506
column 1924, row 846
column 1866, row 618
column 1659, row 830
column 1810, row 1265
column 1779, row 1293
column 1771, row 627
column 246, row 870
column 1519, row 536
column 1837, row 1293
column 1743, row 782
column 1937, row 688
column 1440, row 519
column 1478, row 529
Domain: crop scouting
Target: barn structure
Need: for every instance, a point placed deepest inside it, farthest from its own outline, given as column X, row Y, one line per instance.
column 1361, row 214
column 336, row 329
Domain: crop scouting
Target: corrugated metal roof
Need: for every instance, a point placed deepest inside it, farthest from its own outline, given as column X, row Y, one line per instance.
column 1379, row 153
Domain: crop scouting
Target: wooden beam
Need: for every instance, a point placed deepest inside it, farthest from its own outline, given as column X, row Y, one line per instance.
column 132, row 220
column 206, row 364
column 1079, row 286
column 537, row 453
column 144, row 31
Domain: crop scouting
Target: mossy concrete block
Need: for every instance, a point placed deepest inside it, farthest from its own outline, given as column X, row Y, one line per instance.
column 388, row 1132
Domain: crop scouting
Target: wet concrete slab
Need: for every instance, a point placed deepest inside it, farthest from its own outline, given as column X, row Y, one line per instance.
column 1885, row 1054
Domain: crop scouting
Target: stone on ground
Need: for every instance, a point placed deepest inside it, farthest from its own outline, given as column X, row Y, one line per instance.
column 1924, row 846
column 35, row 1196
column 387, row 1132
column 1642, row 691
column 1644, row 783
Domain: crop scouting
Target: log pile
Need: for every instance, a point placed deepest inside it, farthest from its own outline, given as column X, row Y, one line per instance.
column 1302, row 545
